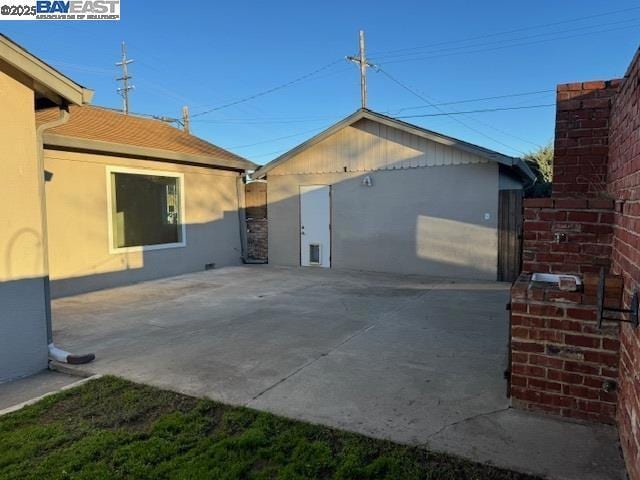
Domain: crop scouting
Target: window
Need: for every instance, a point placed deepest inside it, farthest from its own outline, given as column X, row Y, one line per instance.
column 146, row 209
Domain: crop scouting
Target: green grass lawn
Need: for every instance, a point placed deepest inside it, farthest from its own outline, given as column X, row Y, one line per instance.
column 110, row 428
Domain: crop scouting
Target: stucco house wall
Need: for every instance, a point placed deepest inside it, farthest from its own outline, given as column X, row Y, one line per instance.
column 23, row 341
column 428, row 220
column 78, row 224
column 403, row 199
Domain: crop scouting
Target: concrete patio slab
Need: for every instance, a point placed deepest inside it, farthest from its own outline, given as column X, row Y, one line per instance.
column 25, row 389
column 412, row 359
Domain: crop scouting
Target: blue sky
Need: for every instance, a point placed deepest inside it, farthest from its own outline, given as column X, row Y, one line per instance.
column 206, row 54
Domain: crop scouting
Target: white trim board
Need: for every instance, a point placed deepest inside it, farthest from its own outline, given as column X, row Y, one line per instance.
column 109, row 169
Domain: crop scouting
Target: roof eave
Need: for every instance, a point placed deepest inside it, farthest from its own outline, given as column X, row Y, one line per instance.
column 63, row 142
column 46, row 79
column 525, row 170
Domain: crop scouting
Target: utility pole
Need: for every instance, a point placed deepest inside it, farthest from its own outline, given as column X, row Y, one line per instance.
column 124, row 90
column 361, row 59
column 185, row 118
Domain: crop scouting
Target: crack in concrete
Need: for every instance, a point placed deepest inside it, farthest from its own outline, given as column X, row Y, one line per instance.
column 336, row 347
column 311, row 362
column 463, row 420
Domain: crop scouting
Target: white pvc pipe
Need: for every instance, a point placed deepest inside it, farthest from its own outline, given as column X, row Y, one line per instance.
column 63, row 356
column 57, row 354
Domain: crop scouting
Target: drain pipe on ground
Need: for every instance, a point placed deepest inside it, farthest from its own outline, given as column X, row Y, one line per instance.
column 54, row 352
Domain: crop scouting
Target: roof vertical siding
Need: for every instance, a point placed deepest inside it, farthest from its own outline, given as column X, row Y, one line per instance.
column 368, row 145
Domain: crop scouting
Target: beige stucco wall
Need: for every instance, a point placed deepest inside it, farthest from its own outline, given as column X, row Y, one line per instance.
column 428, row 220
column 23, row 345
column 79, row 255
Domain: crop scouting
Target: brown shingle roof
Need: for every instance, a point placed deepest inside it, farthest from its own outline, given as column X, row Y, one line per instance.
column 105, row 125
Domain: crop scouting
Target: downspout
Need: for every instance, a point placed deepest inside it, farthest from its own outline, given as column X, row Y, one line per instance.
column 54, row 353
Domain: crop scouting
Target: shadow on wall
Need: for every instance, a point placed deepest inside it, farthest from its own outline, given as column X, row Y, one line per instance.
column 208, row 245
column 81, row 251
column 23, row 330
column 25, row 239
column 438, row 220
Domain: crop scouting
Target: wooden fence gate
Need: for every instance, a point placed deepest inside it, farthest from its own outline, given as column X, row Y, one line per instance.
column 509, row 235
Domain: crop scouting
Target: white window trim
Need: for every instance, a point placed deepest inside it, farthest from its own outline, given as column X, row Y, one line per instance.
column 143, row 171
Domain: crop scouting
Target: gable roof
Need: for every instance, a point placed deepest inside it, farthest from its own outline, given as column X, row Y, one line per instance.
column 47, row 81
column 102, row 130
column 360, row 114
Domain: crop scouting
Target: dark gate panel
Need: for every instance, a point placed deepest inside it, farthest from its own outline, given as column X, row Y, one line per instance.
column 509, row 235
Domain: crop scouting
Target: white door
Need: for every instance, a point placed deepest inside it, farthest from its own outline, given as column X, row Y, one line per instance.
column 315, row 234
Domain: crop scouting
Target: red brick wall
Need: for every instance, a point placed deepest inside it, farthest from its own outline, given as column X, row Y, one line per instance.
column 597, row 154
column 560, row 360
column 257, row 225
column 581, row 140
column 567, row 235
column 257, row 239
column 624, row 186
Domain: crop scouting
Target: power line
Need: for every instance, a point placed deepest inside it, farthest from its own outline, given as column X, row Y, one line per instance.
column 449, row 54
column 473, row 100
column 282, row 150
column 502, row 47
column 507, row 32
column 502, row 41
column 483, row 110
column 426, row 100
column 270, row 90
column 271, row 140
column 257, row 121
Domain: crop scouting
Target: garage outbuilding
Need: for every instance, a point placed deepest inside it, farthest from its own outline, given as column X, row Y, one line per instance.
column 375, row 193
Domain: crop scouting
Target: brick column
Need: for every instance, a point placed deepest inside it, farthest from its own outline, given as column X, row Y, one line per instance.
column 582, row 138
column 561, row 363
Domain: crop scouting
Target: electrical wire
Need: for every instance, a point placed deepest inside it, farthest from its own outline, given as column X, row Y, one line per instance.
column 252, row 121
column 271, row 140
column 502, row 47
column 277, row 152
column 426, row 100
column 270, row 90
column 473, row 100
column 507, row 32
column 484, row 110
column 502, row 41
